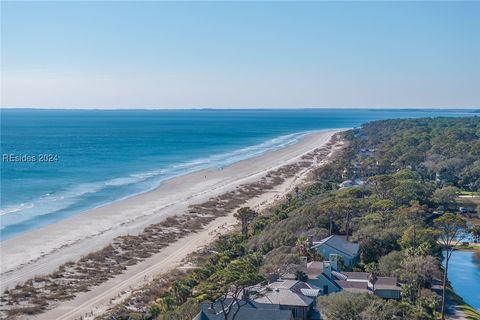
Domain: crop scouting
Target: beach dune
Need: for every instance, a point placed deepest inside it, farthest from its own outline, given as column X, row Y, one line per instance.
column 41, row 251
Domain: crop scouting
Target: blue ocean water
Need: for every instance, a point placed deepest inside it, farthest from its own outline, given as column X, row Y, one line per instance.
column 100, row 156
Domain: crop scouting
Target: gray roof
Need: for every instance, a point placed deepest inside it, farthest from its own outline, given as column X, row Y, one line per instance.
column 249, row 310
column 285, row 297
column 356, row 275
column 340, row 244
column 387, row 283
column 354, row 286
column 382, row 283
column 285, row 293
column 331, row 280
column 314, row 268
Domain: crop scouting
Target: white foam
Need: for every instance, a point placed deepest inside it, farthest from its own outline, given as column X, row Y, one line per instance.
column 52, row 202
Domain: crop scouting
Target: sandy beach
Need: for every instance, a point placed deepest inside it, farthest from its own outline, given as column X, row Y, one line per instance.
column 41, row 251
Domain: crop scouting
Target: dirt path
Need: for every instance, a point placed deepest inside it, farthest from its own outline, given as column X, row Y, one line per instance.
column 42, row 251
column 92, row 303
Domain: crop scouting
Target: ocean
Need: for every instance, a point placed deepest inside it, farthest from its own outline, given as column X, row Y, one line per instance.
column 57, row 163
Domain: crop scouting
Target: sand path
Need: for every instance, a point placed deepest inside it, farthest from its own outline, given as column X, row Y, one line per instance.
column 96, row 301
column 41, row 251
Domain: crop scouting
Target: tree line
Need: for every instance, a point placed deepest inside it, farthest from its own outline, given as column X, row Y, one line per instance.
column 407, row 169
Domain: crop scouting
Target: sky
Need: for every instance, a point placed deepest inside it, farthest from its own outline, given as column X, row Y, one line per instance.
column 119, row 54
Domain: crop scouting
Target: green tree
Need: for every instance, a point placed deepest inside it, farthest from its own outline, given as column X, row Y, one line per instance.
column 414, row 216
column 348, row 204
column 302, row 245
column 384, row 208
column 328, row 207
column 418, row 272
column 180, row 291
column 376, row 242
column 390, row 264
column 186, row 311
column 301, row 276
column 226, row 286
column 445, row 196
column 154, row 310
column 357, row 306
column 280, row 261
column 378, row 309
column 245, row 215
column 165, row 303
column 451, row 232
column 414, row 236
column 409, row 186
column 382, row 186
column 475, row 231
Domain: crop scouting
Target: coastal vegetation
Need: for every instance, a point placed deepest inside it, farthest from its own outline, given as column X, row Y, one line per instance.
column 43, row 292
column 411, row 173
column 406, row 176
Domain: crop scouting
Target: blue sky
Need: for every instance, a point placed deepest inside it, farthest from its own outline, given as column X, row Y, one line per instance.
column 239, row 55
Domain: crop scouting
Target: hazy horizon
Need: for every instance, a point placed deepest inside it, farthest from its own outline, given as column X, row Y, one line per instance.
column 280, row 55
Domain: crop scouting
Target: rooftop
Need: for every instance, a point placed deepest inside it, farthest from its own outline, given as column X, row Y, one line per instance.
column 340, row 244
column 354, row 286
column 287, row 292
column 353, row 278
column 351, row 281
column 248, row 310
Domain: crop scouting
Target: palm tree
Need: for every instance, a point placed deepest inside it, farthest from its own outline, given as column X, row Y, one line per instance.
column 302, row 246
column 180, row 291
column 245, row 215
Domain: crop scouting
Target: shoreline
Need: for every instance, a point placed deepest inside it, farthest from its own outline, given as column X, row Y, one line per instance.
column 101, row 299
column 298, row 136
column 461, row 297
column 59, row 243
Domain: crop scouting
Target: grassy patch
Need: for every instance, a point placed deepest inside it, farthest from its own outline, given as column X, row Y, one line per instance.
column 469, row 247
column 460, row 304
column 469, row 193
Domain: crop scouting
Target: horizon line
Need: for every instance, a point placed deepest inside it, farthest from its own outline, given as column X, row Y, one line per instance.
column 243, row 108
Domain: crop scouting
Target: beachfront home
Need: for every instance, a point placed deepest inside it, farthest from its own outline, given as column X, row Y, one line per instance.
column 248, row 310
column 296, row 296
column 340, row 246
column 327, row 276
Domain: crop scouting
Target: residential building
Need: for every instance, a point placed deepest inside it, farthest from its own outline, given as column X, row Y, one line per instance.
column 248, row 310
column 348, row 251
column 351, row 183
column 327, row 276
column 296, row 296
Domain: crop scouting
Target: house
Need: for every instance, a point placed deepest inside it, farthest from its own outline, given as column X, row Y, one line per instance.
column 296, row 296
column 248, row 310
column 338, row 245
column 384, row 287
column 346, row 184
column 320, row 275
column 351, row 183
column 327, row 276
